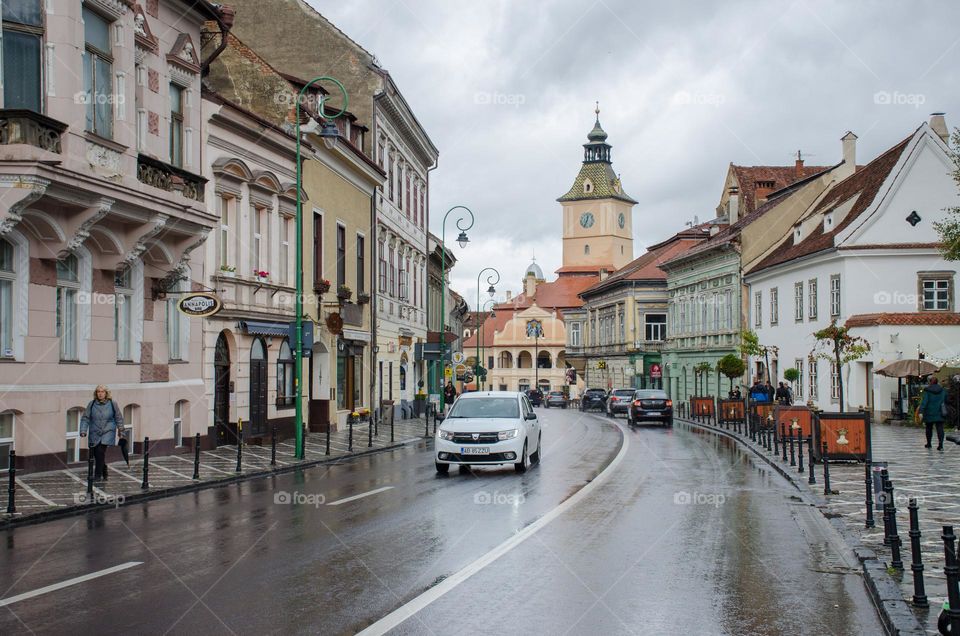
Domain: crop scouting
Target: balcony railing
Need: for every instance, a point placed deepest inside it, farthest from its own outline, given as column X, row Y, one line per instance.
column 30, row 128
column 614, row 349
column 170, row 178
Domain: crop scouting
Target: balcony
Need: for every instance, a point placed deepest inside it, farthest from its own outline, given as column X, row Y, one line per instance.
column 30, row 128
column 620, row 348
column 170, row 178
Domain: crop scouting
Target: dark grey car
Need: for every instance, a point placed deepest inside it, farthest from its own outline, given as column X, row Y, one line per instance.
column 650, row 405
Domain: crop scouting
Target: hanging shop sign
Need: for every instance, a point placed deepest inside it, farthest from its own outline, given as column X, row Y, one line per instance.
column 200, row 304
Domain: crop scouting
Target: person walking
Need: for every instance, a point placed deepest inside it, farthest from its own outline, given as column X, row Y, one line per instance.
column 932, row 411
column 449, row 393
column 783, row 394
column 101, row 423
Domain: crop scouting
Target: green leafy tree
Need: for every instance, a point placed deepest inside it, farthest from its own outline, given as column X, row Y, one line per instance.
column 791, row 375
column 732, row 366
column 836, row 345
column 949, row 228
column 702, row 370
column 750, row 346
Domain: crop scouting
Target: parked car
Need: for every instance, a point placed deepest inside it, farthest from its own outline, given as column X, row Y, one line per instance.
column 489, row 428
column 555, row 398
column 535, row 396
column 619, row 401
column 593, row 400
column 650, row 405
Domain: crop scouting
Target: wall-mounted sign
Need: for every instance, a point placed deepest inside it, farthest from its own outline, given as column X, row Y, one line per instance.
column 656, row 371
column 334, row 323
column 200, row 304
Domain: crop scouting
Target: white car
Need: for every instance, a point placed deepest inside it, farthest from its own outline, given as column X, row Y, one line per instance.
column 489, row 428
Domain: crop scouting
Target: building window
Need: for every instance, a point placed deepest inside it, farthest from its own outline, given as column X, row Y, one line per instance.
column 834, row 383
column 620, row 319
column 176, row 125
column 68, row 314
column 131, row 417
column 285, row 376
column 798, row 301
column 798, row 365
column 812, row 293
column 22, row 54
column 774, row 306
column 258, row 219
column 8, row 278
column 73, row 435
column 655, row 327
column 98, row 74
column 575, row 334
column 342, row 381
column 404, row 274
column 341, row 255
column 178, row 423
column 223, row 248
column 123, row 313
column 317, row 249
column 757, row 309
column 285, row 250
column 6, row 439
column 936, row 289
column 813, row 378
column 835, row 296
column 393, row 273
column 361, row 267
column 382, row 263
column 586, row 249
column 178, row 325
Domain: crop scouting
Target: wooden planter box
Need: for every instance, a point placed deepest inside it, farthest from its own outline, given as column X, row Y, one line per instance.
column 702, row 408
column 730, row 412
column 784, row 415
column 760, row 413
column 847, row 436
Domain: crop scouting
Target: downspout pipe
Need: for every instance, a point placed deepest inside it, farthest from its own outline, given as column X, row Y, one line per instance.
column 224, row 15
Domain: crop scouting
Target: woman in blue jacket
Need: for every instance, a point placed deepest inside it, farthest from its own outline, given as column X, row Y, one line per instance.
column 103, row 421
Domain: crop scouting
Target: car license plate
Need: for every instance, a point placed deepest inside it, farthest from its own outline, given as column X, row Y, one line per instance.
column 475, row 450
column 651, row 412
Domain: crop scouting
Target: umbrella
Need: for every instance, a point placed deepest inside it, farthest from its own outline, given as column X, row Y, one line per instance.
column 125, row 449
column 907, row 368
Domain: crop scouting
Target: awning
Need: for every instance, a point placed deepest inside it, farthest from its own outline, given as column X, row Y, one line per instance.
column 263, row 328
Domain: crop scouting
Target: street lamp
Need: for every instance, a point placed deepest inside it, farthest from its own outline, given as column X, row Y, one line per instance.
column 489, row 303
column 329, row 133
column 462, row 240
column 492, row 280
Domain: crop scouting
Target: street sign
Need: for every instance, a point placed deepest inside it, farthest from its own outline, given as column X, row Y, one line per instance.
column 306, row 338
column 458, row 357
column 200, row 304
column 655, row 371
column 448, row 372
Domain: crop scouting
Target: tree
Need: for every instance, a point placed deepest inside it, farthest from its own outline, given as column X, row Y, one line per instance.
column 791, row 375
column 702, row 368
column 732, row 366
column 949, row 228
column 750, row 346
column 836, row 345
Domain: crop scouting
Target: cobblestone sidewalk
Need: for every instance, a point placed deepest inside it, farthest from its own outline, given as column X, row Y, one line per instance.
column 62, row 491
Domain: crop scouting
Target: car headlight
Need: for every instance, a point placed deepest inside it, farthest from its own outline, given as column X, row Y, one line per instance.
column 445, row 435
column 502, row 435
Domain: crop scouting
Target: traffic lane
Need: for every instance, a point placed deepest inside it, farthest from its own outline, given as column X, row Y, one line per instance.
column 332, row 563
column 688, row 536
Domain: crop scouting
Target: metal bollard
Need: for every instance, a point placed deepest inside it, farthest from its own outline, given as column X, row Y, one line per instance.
column 952, row 570
column 793, row 457
column 868, row 481
column 434, row 420
column 426, row 426
column 895, row 543
column 327, row 452
column 753, row 430
column 800, row 452
column 812, row 478
column 916, row 564
column 393, row 419
column 783, row 440
column 12, row 488
column 827, row 490
column 196, row 456
column 146, row 463
column 884, row 477
column 349, row 434
column 273, row 446
column 89, row 473
column 776, row 440
column 239, row 450
column 370, row 431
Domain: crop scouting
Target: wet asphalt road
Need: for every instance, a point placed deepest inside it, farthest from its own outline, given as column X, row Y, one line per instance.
column 684, row 535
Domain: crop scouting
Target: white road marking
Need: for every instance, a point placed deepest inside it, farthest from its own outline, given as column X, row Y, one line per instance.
column 130, row 477
column 80, row 481
column 161, row 467
column 202, row 466
column 360, row 496
column 402, row 613
column 59, row 586
column 35, row 494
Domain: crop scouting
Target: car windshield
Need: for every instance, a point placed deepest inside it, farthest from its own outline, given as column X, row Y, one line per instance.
column 622, row 392
column 596, row 392
column 486, row 407
column 556, row 394
column 650, row 395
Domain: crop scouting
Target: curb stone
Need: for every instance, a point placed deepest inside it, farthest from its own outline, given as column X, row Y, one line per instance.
column 71, row 511
column 894, row 610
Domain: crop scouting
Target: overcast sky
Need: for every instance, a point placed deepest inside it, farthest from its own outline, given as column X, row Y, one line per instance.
column 506, row 90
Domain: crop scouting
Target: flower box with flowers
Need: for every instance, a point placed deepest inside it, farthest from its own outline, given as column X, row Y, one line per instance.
column 227, row 271
column 344, row 292
column 261, row 275
column 321, row 286
column 363, row 298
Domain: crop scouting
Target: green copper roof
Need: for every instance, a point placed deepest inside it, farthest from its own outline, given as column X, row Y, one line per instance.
column 597, row 134
column 604, row 181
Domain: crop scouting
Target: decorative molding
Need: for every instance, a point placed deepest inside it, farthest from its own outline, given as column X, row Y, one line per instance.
column 184, row 55
column 201, row 239
column 102, row 209
column 35, row 188
column 143, row 36
column 104, row 161
column 27, row 127
column 115, row 9
column 159, row 222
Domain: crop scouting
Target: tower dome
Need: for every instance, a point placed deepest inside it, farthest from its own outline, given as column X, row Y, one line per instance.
column 534, row 269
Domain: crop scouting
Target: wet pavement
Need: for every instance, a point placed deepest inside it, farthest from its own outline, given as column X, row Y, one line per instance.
column 680, row 533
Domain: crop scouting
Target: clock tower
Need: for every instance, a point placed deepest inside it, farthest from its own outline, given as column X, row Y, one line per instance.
column 597, row 213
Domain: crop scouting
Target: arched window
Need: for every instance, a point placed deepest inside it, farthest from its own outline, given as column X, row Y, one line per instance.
column 403, row 377
column 543, row 360
column 73, row 434
column 506, row 360
column 285, row 376
column 179, row 412
column 6, row 438
column 586, row 249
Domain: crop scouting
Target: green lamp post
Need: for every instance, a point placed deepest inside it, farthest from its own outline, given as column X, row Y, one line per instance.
column 492, row 280
column 329, row 133
column 486, row 305
column 462, row 240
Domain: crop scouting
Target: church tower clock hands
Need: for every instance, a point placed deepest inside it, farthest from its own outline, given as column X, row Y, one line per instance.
column 597, row 213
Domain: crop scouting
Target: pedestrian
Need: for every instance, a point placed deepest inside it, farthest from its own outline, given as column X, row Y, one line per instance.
column 735, row 394
column 449, row 393
column 932, row 411
column 769, row 389
column 103, row 421
column 758, row 392
column 783, row 394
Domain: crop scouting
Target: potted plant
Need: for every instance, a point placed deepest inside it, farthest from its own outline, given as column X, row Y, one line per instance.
column 261, row 275
column 363, row 298
column 344, row 293
column 228, row 271
column 322, row 286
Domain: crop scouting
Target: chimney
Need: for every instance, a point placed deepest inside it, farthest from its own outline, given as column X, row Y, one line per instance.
column 849, row 155
column 714, row 229
column 733, row 204
column 509, row 294
column 530, row 285
column 603, row 273
column 798, row 167
column 939, row 125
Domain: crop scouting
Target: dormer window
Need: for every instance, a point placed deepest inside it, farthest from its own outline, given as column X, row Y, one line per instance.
column 797, row 235
column 828, row 222
column 587, row 186
column 769, row 185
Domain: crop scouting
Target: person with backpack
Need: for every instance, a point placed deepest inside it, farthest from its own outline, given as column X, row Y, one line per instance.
column 783, row 395
column 933, row 411
column 102, row 424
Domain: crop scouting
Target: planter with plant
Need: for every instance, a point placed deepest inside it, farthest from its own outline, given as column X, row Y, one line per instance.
column 321, row 286
column 344, row 292
column 226, row 270
column 261, row 275
column 363, row 298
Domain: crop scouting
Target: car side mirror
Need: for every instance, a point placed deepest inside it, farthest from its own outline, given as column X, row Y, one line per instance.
column 530, row 416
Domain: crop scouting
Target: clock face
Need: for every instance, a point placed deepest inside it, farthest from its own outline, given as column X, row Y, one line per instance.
column 621, row 221
column 586, row 219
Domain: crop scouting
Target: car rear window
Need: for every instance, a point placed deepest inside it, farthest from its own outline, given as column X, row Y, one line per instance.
column 622, row 392
column 486, row 407
column 556, row 393
column 596, row 391
column 651, row 395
